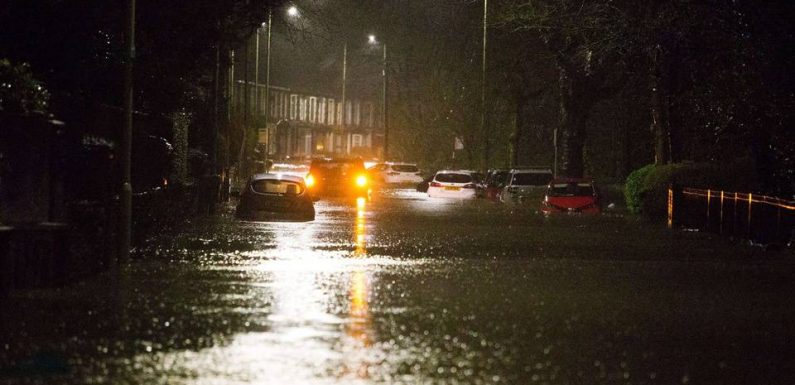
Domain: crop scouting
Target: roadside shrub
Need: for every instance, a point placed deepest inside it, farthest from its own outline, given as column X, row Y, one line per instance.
column 633, row 186
column 20, row 92
column 647, row 187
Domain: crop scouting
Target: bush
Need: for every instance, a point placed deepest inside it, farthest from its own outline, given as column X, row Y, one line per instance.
column 20, row 92
column 633, row 188
column 647, row 188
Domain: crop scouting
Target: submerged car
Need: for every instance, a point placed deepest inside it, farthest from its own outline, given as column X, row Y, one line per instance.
column 571, row 196
column 337, row 177
column 492, row 186
column 396, row 173
column 523, row 183
column 275, row 197
column 453, row 184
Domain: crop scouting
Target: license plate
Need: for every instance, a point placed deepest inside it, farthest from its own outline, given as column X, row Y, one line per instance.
column 449, row 188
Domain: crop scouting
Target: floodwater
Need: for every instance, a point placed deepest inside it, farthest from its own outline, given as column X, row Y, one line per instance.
column 401, row 289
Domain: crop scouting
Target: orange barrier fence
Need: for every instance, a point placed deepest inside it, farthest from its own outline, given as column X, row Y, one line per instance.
column 756, row 217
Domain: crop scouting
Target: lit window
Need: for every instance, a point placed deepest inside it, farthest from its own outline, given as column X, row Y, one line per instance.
column 312, row 109
column 293, row 107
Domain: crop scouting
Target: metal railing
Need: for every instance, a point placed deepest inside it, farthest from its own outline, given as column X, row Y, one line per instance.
column 756, row 217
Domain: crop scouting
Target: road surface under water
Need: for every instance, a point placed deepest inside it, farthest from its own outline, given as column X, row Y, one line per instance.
column 401, row 289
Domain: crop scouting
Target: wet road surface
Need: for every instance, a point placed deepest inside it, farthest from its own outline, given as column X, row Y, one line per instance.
column 406, row 290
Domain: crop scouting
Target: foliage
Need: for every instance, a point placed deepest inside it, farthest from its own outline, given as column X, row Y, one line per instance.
column 633, row 195
column 20, row 92
column 646, row 188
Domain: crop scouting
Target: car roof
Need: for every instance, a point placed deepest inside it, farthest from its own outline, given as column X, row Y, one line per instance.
column 455, row 172
column 571, row 180
column 534, row 170
column 337, row 160
column 278, row 176
column 400, row 164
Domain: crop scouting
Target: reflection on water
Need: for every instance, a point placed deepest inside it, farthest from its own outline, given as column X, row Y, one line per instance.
column 358, row 328
column 312, row 324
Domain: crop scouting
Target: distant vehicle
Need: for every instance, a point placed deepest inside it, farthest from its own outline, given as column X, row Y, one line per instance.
column 337, row 177
column 452, row 184
column 396, row 173
column 521, row 183
column 493, row 184
column 571, row 196
column 275, row 197
column 423, row 186
column 295, row 169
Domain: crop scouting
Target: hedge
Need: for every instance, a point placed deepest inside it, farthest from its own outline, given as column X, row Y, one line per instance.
column 646, row 189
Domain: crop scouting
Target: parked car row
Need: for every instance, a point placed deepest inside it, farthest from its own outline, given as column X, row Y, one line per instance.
column 517, row 186
column 287, row 192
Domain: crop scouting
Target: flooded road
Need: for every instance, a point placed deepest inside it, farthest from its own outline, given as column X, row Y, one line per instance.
column 401, row 289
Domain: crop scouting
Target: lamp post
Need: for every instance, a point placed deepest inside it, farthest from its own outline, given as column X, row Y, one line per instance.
column 292, row 12
column 125, row 217
column 384, row 110
column 486, row 138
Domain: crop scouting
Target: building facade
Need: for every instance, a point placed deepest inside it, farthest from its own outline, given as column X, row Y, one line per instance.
column 304, row 125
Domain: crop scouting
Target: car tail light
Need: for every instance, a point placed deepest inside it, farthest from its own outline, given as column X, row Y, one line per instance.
column 436, row 184
column 469, row 185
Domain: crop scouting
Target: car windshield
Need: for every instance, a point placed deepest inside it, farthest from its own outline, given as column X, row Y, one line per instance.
column 498, row 178
column 570, row 189
column 531, row 179
column 337, row 167
column 273, row 186
column 405, row 168
column 453, row 178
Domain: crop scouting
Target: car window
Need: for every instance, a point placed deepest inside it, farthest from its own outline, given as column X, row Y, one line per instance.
column 531, row 179
column 453, row 178
column 571, row 189
column 405, row 168
column 337, row 167
column 272, row 186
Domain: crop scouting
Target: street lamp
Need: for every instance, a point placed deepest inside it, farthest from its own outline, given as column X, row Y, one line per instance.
column 292, row 12
column 486, row 141
column 372, row 40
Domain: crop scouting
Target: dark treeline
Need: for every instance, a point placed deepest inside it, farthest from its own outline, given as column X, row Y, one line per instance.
column 624, row 83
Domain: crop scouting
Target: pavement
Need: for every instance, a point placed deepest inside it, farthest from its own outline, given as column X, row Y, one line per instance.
column 402, row 289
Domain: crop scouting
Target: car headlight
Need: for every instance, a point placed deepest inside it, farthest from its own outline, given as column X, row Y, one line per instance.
column 361, row 181
column 309, row 180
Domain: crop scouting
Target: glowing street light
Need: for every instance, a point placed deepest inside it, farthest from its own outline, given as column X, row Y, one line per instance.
column 372, row 40
column 292, row 11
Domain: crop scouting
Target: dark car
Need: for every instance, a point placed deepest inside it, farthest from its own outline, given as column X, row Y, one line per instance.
column 492, row 185
column 275, row 197
column 338, row 177
column 571, row 196
column 423, row 186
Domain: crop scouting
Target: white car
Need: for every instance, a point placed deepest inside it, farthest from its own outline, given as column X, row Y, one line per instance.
column 397, row 173
column 521, row 183
column 452, row 184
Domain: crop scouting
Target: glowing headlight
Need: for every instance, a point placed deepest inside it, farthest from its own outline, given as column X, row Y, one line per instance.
column 361, row 180
column 309, row 180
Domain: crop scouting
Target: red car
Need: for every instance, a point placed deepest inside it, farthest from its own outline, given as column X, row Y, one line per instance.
column 571, row 196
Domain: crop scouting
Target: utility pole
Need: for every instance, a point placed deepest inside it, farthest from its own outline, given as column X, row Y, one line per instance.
column 256, row 76
column 268, row 87
column 483, row 125
column 384, row 108
column 125, row 217
column 344, row 81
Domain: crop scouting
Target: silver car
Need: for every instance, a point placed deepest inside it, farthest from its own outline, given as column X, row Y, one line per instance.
column 522, row 183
